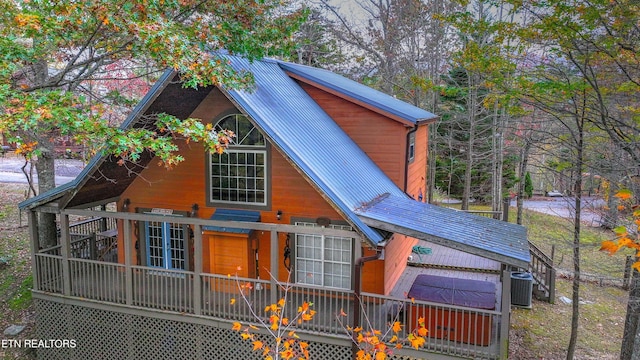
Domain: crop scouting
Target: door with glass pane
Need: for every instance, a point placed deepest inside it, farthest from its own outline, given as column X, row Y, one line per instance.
column 166, row 245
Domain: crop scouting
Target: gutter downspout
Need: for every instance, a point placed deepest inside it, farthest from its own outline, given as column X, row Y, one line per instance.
column 357, row 305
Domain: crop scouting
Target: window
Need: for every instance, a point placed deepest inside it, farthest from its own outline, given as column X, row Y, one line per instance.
column 324, row 260
column 239, row 176
column 166, row 245
column 412, row 147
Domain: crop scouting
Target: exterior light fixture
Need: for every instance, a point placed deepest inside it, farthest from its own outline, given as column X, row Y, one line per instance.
column 194, row 210
column 125, row 204
column 279, row 215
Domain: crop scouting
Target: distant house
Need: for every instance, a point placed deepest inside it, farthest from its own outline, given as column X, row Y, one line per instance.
column 324, row 188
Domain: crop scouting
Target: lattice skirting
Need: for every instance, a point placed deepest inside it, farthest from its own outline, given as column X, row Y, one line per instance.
column 101, row 334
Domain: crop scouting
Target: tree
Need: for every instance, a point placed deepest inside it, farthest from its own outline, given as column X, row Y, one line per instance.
column 282, row 342
column 56, row 59
column 597, row 40
column 528, row 185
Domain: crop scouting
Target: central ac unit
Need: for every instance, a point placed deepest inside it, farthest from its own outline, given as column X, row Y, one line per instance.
column 521, row 289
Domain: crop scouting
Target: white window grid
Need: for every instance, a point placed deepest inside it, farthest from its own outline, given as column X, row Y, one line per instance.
column 324, row 260
column 238, row 176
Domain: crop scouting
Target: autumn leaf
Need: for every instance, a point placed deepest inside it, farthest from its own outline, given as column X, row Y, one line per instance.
column 422, row 331
column 624, row 194
column 257, row 345
column 397, row 327
column 609, row 246
column 232, row 301
column 236, row 326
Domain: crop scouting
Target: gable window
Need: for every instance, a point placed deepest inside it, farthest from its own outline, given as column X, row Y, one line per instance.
column 324, row 260
column 239, row 175
column 412, row 147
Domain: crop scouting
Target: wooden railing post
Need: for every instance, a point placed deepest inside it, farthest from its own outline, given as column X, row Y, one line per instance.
column 32, row 220
column 506, row 313
column 65, row 251
column 274, row 266
column 197, row 269
column 93, row 249
column 128, row 261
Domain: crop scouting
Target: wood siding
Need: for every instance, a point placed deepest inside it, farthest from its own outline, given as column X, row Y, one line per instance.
column 382, row 139
column 395, row 259
column 417, row 169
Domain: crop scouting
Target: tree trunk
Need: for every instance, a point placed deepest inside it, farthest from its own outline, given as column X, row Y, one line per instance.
column 611, row 214
column 575, row 317
column 45, row 167
column 630, row 340
column 466, row 192
column 522, row 171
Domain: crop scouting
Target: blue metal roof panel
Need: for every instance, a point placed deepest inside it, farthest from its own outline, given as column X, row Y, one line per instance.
column 305, row 134
column 493, row 239
column 233, row 215
column 358, row 91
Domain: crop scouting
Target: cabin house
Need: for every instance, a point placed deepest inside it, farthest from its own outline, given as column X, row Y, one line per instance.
column 323, row 189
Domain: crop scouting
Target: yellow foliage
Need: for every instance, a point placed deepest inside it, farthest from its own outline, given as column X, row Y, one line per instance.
column 397, row 327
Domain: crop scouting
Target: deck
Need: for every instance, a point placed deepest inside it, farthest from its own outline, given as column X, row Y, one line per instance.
column 91, row 277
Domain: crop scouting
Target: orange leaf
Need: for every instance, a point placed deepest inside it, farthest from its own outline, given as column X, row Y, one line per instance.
column 624, row 194
column 396, row 327
column 236, row 326
column 422, row 331
column 609, row 246
column 233, row 301
column 257, row 345
column 636, row 265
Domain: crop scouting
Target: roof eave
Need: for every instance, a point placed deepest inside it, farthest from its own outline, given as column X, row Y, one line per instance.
column 516, row 262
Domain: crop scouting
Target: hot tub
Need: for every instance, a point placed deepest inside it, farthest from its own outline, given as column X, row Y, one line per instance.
column 458, row 325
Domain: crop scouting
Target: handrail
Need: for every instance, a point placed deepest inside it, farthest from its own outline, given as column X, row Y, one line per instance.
column 172, row 291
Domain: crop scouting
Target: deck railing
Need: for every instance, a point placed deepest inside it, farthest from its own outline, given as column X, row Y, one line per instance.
column 92, row 239
column 68, row 273
column 93, row 225
column 453, row 330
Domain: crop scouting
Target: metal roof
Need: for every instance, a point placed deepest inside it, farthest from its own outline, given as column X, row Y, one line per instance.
column 359, row 92
column 311, row 140
column 492, row 239
column 233, row 215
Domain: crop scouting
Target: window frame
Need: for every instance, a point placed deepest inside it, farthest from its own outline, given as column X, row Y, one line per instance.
column 264, row 150
column 323, row 261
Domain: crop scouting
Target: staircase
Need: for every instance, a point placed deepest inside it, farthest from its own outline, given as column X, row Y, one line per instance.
column 544, row 274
